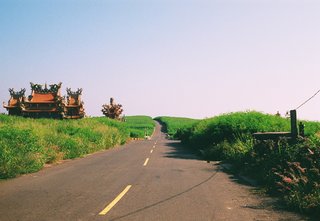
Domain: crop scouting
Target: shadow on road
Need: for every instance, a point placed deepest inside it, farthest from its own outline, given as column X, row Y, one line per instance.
column 180, row 151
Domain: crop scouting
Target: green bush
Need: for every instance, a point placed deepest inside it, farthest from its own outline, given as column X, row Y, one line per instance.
column 229, row 126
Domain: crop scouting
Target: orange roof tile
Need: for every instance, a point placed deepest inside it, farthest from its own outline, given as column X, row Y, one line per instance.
column 42, row 98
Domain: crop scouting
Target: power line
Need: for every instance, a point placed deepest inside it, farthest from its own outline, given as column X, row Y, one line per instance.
column 308, row 100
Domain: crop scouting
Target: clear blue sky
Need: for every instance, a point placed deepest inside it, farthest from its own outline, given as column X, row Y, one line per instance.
column 167, row 57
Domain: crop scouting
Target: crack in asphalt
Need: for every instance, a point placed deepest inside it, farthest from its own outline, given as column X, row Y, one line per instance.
column 167, row 199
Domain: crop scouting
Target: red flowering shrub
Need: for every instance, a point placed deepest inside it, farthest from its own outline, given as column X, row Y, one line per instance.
column 289, row 169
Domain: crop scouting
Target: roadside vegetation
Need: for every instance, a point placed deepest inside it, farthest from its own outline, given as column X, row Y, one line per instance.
column 140, row 126
column 176, row 126
column 27, row 144
column 289, row 169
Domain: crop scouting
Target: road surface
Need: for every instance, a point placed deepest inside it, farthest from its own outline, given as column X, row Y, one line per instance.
column 154, row 179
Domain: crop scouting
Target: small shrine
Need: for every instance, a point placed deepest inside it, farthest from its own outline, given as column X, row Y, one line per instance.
column 74, row 106
column 14, row 104
column 44, row 102
column 112, row 110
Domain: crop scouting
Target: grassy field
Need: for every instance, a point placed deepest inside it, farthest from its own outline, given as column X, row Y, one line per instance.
column 27, row 144
column 175, row 126
column 140, row 126
column 289, row 169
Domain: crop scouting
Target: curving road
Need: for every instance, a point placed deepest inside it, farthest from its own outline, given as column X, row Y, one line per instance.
column 155, row 179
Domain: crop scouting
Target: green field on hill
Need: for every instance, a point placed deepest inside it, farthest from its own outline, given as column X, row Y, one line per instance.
column 176, row 125
column 140, row 126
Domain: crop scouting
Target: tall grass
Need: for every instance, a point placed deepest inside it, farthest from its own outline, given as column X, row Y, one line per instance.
column 20, row 152
column 176, row 126
column 27, row 144
column 228, row 127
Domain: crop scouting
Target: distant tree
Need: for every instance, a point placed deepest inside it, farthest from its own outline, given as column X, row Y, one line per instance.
column 112, row 110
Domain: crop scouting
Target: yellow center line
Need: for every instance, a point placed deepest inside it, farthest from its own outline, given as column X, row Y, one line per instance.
column 154, row 146
column 151, row 151
column 115, row 201
column 145, row 162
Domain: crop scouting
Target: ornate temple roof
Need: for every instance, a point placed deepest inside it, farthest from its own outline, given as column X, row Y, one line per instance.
column 46, row 101
column 17, row 93
column 38, row 88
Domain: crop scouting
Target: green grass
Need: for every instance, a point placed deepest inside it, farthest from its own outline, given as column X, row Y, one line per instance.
column 27, row 144
column 20, row 152
column 231, row 126
column 140, row 126
column 311, row 128
column 175, row 126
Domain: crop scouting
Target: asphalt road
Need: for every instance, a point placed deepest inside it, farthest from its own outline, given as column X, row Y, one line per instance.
column 154, row 179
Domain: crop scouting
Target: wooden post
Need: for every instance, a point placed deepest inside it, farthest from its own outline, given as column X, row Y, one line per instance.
column 294, row 129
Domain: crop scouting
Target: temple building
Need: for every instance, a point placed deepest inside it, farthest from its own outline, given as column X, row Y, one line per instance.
column 46, row 102
column 14, row 104
column 74, row 105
